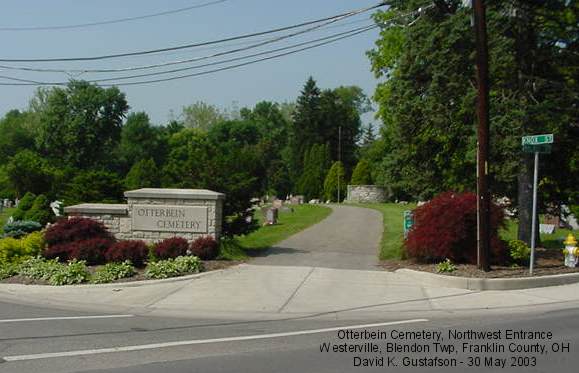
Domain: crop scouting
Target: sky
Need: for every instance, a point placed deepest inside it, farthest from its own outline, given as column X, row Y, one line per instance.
column 341, row 63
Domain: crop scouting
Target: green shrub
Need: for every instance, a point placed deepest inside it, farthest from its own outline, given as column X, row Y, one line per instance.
column 446, row 266
column 519, row 251
column 15, row 250
column 21, row 227
column 335, row 178
column 24, row 205
column 173, row 267
column 8, row 270
column 75, row 272
column 113, row 271
column 40, row 211
column 361, row 174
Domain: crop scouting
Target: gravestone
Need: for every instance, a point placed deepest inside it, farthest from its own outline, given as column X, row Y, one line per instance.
column 271, row 216
column 278, row 203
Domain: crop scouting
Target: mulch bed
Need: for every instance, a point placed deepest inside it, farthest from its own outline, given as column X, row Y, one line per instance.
column 208, row 265
column 548, row 262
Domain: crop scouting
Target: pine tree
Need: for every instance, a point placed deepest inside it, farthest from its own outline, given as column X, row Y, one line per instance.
column 316, row 164
column 361, row 174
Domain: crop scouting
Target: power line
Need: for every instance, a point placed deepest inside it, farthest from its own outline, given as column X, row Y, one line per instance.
column 178, row 62
column 187, row 46
column 119, row 20
column 31, row 82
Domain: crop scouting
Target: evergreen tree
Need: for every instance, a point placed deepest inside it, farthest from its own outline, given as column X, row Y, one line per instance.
column 316, row 164
column 361, row 174
column 335, row 182
column 143, row 174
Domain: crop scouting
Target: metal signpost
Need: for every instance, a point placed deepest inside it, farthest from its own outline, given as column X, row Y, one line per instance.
column 536, row 144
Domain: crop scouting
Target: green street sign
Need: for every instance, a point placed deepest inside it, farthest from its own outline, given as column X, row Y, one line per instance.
column 408, row 222
column 537, row 139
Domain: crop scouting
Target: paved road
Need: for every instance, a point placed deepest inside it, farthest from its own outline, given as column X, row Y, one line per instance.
column 347, row 239
column 38, row 339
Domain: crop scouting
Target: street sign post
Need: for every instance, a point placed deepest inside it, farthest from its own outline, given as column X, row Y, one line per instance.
column 536, row 144
column 408, row 222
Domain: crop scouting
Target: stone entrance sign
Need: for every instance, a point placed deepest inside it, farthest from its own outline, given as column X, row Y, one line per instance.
column 169, row 218
column 155, row 214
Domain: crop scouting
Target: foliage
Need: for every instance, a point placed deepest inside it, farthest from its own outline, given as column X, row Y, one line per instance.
column 205, row 248
column 40, row 211
column 23, row 206
column 202, row 116
column 335, row 180
column 29, row 172
column 20, row 228
column 316, row 165
column 361, row 174
column 80, row 124
column 94, row 186
column 90, row 250
column 445, row 227
column 39, row 268
column 74, row 272
column 427, row 101
column 143, row 174
column 519, row 251
column 14, row 250
column 16, row 134
column 171, row 248
column 75, row 229
column 173, row 267
column 140, row 140
column 445, row 267
column 8, row 270
column 231, row 249
column 113, row 271
column 132, row 250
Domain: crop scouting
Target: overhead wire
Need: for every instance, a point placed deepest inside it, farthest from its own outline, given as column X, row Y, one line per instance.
column 108, row 22
column 193, row 45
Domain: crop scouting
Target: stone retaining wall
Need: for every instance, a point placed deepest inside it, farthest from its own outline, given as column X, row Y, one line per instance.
column 366, row 194
column 155, row 214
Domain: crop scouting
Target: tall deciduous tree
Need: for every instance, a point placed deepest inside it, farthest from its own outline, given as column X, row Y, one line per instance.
column 202, row 115
column 81, row 124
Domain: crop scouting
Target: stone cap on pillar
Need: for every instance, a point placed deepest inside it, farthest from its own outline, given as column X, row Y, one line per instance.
column 165, row 193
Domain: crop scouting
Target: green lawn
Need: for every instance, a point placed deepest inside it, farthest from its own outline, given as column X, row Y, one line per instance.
column 289, row 223
column 549, row 241
column 393, row 234
column 4, row 215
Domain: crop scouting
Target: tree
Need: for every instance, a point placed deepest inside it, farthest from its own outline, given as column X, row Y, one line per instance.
column 140, row 141
column 335, row 182
column 40, row 211
column 361, row 174
column 94, row 186
column 143, row 174
column 28, row 172
column 80, row 125
column 202, row 116
column 316, row 164
column 15, row 134
column 427, row 103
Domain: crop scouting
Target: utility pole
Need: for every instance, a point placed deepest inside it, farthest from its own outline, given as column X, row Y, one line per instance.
column 339, row 158
column 483, row 195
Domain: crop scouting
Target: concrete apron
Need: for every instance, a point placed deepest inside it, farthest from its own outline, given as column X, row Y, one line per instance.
column 277, row 292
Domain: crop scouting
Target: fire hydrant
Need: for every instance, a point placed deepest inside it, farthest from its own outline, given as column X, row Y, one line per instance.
column 571, row 251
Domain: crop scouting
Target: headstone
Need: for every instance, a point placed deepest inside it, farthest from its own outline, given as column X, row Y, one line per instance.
column 314, row 201
column 296, row 200
column 271, row 216
column 547, row 228
column 278, row 203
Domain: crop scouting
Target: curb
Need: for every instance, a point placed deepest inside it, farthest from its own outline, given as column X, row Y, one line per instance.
column 127, row 284
column 476, row 283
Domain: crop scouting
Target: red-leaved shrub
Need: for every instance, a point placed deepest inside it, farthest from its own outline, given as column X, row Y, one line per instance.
column 446, row 227
column 171, row 248
column 78, row 238
column 133, row 250
column 206, row 248
column 75, row 229
column 91, row 250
